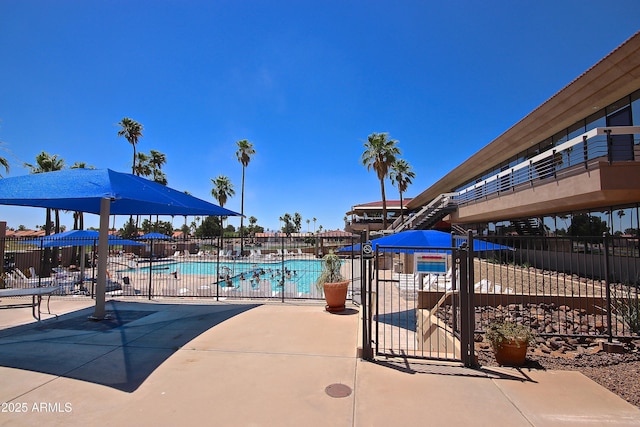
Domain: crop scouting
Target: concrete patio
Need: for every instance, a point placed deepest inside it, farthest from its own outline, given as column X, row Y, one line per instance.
column 242, row 364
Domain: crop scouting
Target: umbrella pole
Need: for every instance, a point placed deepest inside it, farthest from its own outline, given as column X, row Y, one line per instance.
column 83, row 255
column 103, row 255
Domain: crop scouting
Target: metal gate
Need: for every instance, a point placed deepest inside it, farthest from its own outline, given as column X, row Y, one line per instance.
column 418, row 304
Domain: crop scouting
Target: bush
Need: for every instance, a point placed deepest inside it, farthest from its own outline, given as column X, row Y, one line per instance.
column 502, row 331
column 331, row 265
column 627, row 307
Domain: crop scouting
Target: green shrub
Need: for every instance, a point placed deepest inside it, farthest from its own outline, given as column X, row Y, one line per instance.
column 331, row 265
column 627, row 307
column 502, row 331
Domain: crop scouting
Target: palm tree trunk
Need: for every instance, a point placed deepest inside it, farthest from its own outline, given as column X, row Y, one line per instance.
column 133, row 165
column 242, row 215
column 384, row 206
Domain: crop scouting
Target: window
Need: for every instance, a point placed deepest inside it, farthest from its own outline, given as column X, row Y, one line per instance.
column 621, row 147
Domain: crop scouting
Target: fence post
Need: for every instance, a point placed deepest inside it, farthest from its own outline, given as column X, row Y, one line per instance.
column 283, row 274
column 365, row 302
column 464, row 311
column 605, row 237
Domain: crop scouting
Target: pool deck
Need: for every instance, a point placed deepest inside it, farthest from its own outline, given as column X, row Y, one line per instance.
column 242, row 364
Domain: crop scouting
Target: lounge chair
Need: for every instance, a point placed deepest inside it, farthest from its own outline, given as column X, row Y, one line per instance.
column 22, row 281
column 438, row 282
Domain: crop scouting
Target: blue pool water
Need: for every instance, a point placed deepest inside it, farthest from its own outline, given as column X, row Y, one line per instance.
column 303, row 273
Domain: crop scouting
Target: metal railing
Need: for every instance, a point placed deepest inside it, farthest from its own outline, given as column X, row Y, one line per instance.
column 583, row 152
column 578, row 288
column 278, row 268
column 580, row 153
column 583, row 287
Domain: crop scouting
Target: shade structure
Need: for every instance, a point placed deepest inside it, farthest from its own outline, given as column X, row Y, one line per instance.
column 103, row 192
column 420, row 240
column 82, row 190
column 78, row 238
column 154, row 236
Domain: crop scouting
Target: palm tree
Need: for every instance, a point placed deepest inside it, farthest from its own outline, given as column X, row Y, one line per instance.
column 308, row 221
column 78, row 217
column 132, row 131
column 244, row 153
column 47, row 163
column 222, row 190
column 156, row 161
column 621, row 213
column 5, row 164
column 314, row 224
column 252, row 226
column 401, row 175
column 380, row 153
column 142, row 168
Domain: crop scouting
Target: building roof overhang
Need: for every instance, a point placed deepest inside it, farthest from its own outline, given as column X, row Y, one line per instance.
column 613, row 77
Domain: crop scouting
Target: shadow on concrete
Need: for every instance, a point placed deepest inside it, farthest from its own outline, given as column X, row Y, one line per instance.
column 435, row 368
column 346, row 312
column 120, row 352
column 402, row 319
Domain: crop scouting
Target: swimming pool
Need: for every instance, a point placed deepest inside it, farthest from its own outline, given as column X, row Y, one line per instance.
column 302, row 274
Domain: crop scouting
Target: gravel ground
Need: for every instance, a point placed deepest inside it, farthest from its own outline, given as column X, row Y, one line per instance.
column 620, row 373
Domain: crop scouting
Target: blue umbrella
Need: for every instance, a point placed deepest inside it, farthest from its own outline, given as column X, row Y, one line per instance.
column 104, row 192
column 78, row 238
column 418, row 240
column 154, row 236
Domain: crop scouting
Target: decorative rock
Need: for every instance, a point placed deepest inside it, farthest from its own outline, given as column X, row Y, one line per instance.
column 544, row 348
column 554, row 343
column 612, row 347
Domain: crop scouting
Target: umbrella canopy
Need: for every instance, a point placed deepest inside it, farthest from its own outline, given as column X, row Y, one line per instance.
column 103, row 192
column 154, row 236
column 418, row 240
column 78, row 238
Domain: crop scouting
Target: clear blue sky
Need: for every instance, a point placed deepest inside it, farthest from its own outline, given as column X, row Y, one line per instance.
column 304, row 81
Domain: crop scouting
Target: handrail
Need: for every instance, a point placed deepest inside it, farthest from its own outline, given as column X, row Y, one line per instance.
column 443, row 200
column 548, row 164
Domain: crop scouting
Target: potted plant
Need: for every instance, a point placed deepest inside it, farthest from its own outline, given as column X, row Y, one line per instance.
column 332, row 283
column 510, row 341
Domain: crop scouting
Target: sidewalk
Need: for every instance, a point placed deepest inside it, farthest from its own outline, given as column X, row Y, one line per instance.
column 259, row 365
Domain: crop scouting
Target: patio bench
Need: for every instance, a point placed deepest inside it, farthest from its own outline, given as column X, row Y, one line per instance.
column 36, row 293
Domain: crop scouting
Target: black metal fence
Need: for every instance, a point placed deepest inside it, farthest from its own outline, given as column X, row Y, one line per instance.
column 569, row 286
column 577, row 288
column 276, row 268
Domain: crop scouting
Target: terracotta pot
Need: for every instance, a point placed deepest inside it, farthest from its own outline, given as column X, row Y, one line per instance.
column 336, row 294
column 512, row 353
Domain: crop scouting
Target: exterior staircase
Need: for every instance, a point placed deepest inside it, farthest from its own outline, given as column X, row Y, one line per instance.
column 429, row 215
